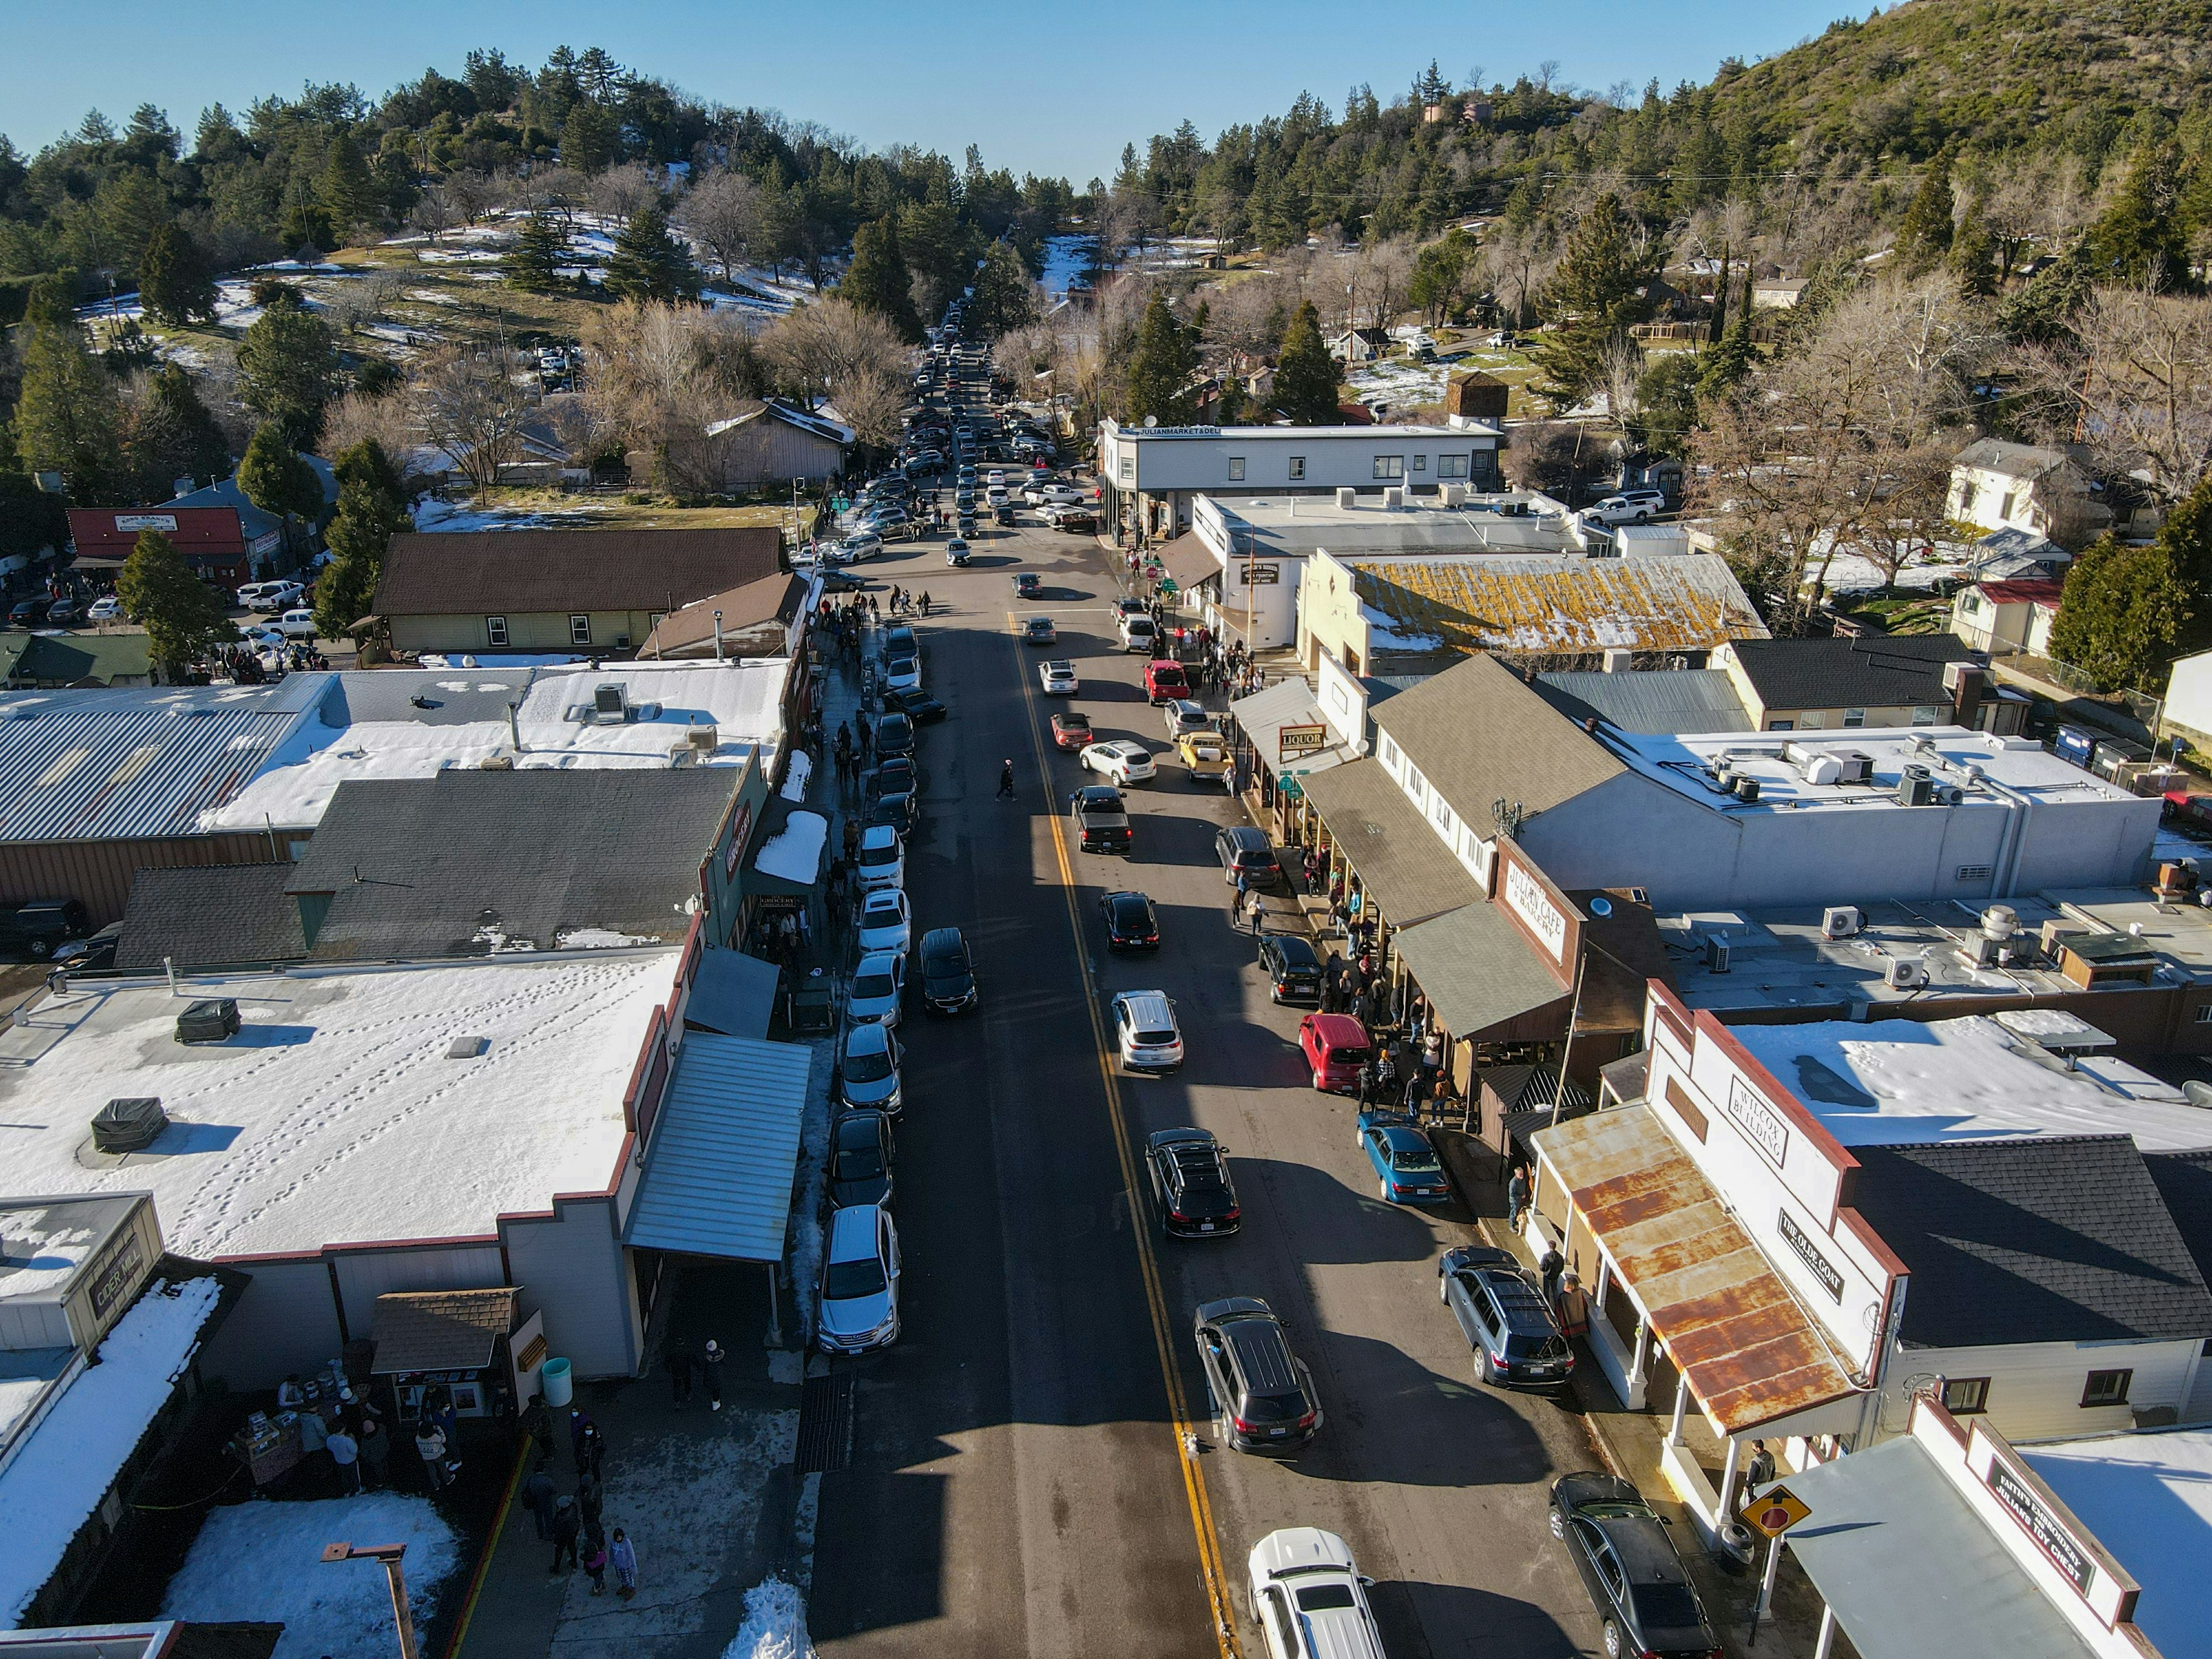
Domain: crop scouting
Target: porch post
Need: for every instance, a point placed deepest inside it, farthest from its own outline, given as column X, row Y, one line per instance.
column 1641, row 1371
column 1824, row 1643
column 1682, row 1405
column 1728, row 1480
column 1604, row 1280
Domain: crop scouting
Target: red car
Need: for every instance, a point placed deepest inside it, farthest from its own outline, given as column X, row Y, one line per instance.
column 1071, row 730
column 1335, row 1048
column 1164, row 681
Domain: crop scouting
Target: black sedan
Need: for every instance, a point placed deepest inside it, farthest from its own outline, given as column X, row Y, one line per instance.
column 898, row 810
column 1190, row 1180
column 893, row 776
column 948, row 972
column 1627, row 1562
column 1131, row 924
column 861, row 1159
column 894, row 735
column 916, row 705
column 1293, row 970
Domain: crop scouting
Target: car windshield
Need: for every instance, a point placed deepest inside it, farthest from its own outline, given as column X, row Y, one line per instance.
column 861, row 1162
column 1665, row 1607
column 1274, row 1408
column 874, row 1067
column 878, row 856
column 845, row 1280
column 1415, row 1160
column 873, row 987
column 1155, row 1039
column 1325, row 1598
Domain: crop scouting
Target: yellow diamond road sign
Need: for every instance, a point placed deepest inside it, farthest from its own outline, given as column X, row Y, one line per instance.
column 1775, row 1511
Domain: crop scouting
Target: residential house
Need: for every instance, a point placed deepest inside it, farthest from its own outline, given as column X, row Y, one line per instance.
column 601, row 591
column 1998, row 485
column 55, row 660
column 765, row 446
column 1842, row 684
column 1360, row 345
column 2008, row 619
column 1777, row 293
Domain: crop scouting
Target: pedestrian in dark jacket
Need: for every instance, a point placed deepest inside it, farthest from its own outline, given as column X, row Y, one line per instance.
column 591, row 1495
column 680, row 1364
column 1366, row 1083
column 375, row 1452
column 538, row 1422
column 1552, row 1266
column 594, row 1452
column 539, row 1494
column 710, row 1369
column 580, row 1422
column 1516, row 1199
column 567, row 1526
column 1005, row 779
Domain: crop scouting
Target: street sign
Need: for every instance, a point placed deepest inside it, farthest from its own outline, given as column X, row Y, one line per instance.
column 1775, row 1511
column 1168, row 586
column 1292, row 740
column 1289, row 788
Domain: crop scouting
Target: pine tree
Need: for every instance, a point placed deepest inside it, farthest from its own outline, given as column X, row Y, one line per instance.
column 184, row 620
column 367, row 464
column 2121, row 612
column 2139, row 237
column 368, row 518
column 275, row 479
column 1724, row 368
column 2186, row 537
column 1924, row 237
column 69, row 418
column 540, row 248
column 591, row 137
column 1305, row 375
column 1598, row 291
column 174, row 278
column 346, row 191
column 877, row 279
column 1161, row 369
column 174, row 437
column 288, row 370
column 647, row 262
column 1974, row 255
column 1003, row 300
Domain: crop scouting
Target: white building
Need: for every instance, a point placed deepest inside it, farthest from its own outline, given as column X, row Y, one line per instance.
column 1996, row 485
column 1153, row 475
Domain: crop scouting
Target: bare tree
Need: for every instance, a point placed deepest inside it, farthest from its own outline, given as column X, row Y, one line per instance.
column 2134, row 383
column 358, row 302
column 472, row 195
column 620, row 192
column 561, row 190
column 432, row 213
column 1516, row 263
column 471, row 401
column 1622, row 370
column 870, row 400
column 722, row 214
column 815, row 347
column 389, row 420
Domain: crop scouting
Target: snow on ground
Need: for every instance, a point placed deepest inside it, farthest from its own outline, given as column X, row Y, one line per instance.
column 812, row 1178
column 1854, row 573
column 517, row 659
column 261, row 1562
column 1399, row 383
column 1067, row 264
column 72, row 1458
column 432, row 513
column 441, row 256
column 2172, row 844
column 684, row 1499
column 795, row 852
column 794, row 782
column 774, row 1627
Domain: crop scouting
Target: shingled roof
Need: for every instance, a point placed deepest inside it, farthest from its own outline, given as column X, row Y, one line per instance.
column 2041, row 1239
column 517, row 572
column 1885, row 671
column 224, row 915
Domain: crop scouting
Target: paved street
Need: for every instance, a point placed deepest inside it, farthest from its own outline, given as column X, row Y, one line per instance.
column 1017, row 1484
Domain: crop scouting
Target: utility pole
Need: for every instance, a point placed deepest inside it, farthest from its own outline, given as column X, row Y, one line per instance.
column 387, row 1556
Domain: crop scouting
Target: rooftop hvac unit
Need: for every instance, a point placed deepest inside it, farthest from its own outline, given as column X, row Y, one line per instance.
column 1619, row 659
column 1905, row 974
column 610, row 705
column 1717, row 953
column 1840, row 921
column 1949, row 794
column 1746, row 788
column 496, row 763
column 1822, row 769
column 1915, row 788
column 2000, row 921
column 126, row 1125
column 1980, row 951
column 1347, row 497
column 704, row 739
column 208, row 1022
column 1394, row 495
column 1858, row 767
column 1454, row 495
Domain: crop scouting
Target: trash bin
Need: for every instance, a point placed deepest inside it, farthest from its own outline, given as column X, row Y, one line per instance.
column 554, row 1379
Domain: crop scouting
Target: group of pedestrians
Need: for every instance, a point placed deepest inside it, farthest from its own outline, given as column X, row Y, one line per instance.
column 571, row 1521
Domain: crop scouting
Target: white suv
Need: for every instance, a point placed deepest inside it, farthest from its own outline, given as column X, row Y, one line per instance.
column 882, row 860
column 1145, row 1032
column 1308, row 1597
column 860, row 1281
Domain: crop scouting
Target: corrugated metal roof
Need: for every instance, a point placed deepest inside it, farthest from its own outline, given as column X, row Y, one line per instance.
column 1729, row 1322
column 718, row 1174
column 1658, row 700
column 1547, row 604
column 123, row 765
column 1400, row 861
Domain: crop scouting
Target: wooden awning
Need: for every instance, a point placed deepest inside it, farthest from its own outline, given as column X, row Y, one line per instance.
column 440, row 1330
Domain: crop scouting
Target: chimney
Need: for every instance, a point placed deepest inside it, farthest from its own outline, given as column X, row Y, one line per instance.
column 1347, row 497
column 1964, row 681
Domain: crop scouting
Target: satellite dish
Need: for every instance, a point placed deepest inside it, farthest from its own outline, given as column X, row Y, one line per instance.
column 1601, row 906
column 1152, row 420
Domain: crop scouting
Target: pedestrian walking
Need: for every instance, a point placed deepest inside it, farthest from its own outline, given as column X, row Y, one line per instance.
column 621, row 1556
column 567, row 1528
column 1386, row 1077
column 1258, row 914
column 925, row 607
column 595, row 1563
column 710, row 1369
column 591, row 1498
column 1366, row 1083
column 430, row 1447
column 1759, row 1472
column 1551, row 1265
column 1357, row 1006
column 1005, row 779
column 1244, row 892
column 538, row 1496
column 376, row 1454
column 1516, row 1198
column 345, row 1452
column 579, row 1421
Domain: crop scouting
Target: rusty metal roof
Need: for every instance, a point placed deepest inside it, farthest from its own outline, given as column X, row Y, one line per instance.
column 1723, row 1314
column 1548, row 603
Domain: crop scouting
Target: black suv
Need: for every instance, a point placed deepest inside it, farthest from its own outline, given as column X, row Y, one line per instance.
column 948, row 974
column 861, row 1159
column 1502, row 1312
column 36, row 928
column 1263, row 1394
column 1190, row 1179
column 1293, row 970
column 1245, row 851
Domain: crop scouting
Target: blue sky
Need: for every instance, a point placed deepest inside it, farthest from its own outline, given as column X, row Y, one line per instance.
column 1042, row 89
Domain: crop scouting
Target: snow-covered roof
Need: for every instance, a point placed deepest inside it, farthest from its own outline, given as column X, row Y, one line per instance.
column 50, row 1487
column 334, row 1116
column 2147, row 1498
column 1910, row 1083
column 741, row 700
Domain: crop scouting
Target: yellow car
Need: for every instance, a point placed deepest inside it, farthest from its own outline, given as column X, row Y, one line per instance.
column 1207, row 755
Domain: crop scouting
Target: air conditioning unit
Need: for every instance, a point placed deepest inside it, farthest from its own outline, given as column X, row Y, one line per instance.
column 1915, row 788
column 1746, row 788
column 496, row 763
column 1980, row 951
column 1840, row 921
column 1717, row 953
column 703, row 738
column 1905, row 974
column 1454, row 494
column 1347, row 497
column 1822, row 769
column 1394, row 495
column 1858, row 768
column 610, row 705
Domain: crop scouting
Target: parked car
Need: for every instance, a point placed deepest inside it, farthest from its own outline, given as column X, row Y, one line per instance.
column 297, row 624
column 900, row 812
column 1057, row 678
column 1406, row 1165
column 917, row 705
column 948, row 972
column 868, row 1068
column 1502, row 1312
column 1039, row 630
column 268, row 595
column 894, row 735
column 1120, row 759
column 881, row 861
column 1189, row 1173
column 1307, row 1595
column 1292, row 968
column 63, row 612
column 37, row 928
column 1131, row 922
column 1184, row 715
column 1263, row 1396
column 1138, row 633
column 1336, row 1046
column 903, row 673
column 107, row 608
column 1644, row 1600
column 863, row 544
column 1100, row 821
column 860, row 1281
column 878, row 986
column 1620, row 510
column 1165, row 681
column 1145, row 1034
column 861, row 1159
column 1205, row 757
column 1069, row 517
column 1071, row 730
column 884, row 919
column 1027, row 584
column 28, row 613
column 1244, row 850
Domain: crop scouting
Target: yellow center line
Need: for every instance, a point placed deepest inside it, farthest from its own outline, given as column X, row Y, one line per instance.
column 1184, row 1426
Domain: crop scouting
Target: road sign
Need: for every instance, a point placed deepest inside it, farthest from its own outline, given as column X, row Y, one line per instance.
column 1168, row 586
column 1775, row 1511
column 1289, row 788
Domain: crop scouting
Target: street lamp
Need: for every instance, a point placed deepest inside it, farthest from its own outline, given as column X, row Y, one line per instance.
column 387, row 1555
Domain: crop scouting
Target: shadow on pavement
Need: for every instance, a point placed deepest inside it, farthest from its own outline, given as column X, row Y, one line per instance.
column 1391, row 1421
column 1407, row 1611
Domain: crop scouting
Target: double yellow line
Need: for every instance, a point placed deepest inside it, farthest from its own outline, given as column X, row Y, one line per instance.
column 1180, row 1420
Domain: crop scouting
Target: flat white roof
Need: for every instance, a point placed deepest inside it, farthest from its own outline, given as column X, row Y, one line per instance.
column 1294, row 433
column 1903, row 1083
column 1322, row 514
column 334, row 1116
column 1684, row 761
column 741, row 700
column 2148, row 1498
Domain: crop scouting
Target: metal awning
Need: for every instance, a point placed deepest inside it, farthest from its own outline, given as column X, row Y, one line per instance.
column 1752, row 1354
column 1188, row 559
column 718, row 1171
column 1402, row 863
column 440, row 1330
column 1287, row 702
column 1478, row 971
column 1911, row 1569
column 732, row 994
